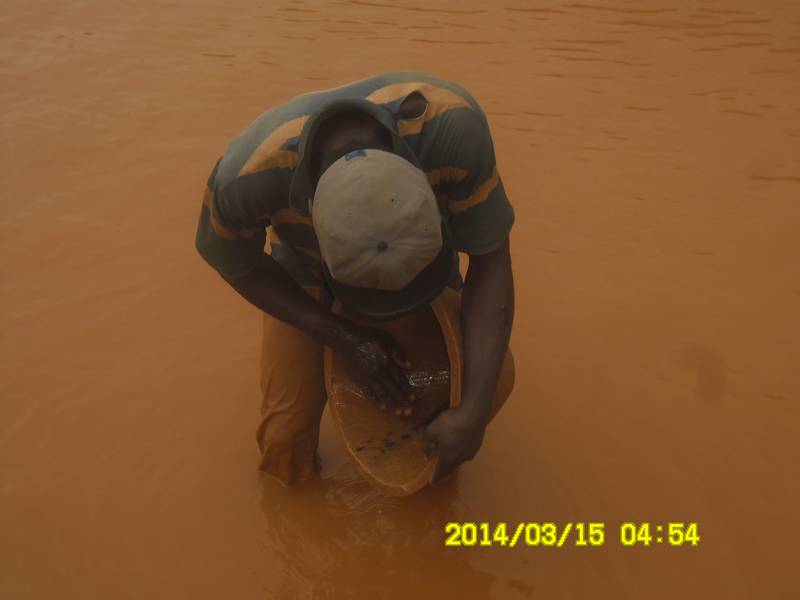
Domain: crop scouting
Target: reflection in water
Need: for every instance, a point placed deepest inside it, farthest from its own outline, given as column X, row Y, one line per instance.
column 340, row 529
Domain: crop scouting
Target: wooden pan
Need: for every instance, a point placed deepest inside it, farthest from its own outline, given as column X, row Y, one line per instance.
column 387, row 448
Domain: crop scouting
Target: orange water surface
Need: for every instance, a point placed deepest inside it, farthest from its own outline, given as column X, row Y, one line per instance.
column 652, row 153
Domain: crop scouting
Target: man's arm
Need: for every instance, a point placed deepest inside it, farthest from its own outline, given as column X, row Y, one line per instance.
column 487, row 314
column 270, row 288
column 372, row 353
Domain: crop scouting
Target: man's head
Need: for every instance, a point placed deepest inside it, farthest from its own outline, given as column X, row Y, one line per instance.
column 384, row 247
column 346, row 131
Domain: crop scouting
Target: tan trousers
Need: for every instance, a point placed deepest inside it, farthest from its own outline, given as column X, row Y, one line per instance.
column 293, row 397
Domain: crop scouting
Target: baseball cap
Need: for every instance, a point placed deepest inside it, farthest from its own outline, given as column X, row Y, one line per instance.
column 384, row 246
column 376, row 219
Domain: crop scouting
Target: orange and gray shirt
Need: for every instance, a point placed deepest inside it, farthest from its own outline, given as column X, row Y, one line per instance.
column 248, row 190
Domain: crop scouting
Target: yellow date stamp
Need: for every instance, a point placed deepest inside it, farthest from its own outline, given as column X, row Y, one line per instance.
column 555, row 535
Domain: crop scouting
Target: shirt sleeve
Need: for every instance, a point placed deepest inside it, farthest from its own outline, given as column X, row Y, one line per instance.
column 228, row 238
column 480, row 214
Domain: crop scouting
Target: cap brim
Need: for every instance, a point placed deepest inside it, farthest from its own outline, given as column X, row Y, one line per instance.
column 371, row 303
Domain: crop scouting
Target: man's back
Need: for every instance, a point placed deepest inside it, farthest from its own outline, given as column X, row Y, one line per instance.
column 249, row 187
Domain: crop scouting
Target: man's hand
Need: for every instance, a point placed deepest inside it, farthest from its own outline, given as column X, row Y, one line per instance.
column 487, row 313
column 375, row 358
column 457, row 436
column 376, row 362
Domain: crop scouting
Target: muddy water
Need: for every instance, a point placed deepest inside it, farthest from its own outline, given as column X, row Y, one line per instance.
column 651, row 151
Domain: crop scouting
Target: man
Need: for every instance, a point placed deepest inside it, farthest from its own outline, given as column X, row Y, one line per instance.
column 369, row 192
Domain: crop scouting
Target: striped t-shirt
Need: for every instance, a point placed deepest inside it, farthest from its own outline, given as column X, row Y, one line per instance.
column 248, row 189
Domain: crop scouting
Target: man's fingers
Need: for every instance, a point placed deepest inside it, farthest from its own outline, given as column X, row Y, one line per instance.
column 443, row 469
column 431, row 444
column 399, row 378
column 386, row 394
column 369, row 392
column 437, row 472
column 444, row 461
column 398, row 356
column 399, row 398
column 378, row 394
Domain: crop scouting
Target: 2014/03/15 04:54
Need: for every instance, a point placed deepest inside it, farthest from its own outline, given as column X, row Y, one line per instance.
column 548, row 534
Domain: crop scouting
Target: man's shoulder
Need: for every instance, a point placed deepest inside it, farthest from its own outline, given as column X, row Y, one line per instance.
column 454, row 134
column 271, row 140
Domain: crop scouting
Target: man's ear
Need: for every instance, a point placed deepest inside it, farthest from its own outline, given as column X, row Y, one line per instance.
column 413, row 106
